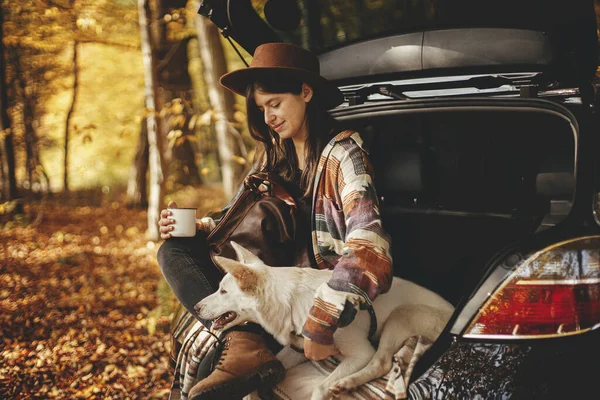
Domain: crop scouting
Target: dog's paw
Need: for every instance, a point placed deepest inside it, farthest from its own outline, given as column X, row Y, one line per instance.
column 336, row 391
column 342, row 386
column 320, row 394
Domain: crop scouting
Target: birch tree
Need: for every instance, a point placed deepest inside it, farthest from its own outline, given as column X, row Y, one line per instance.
column 154, row 148
column 222, row 104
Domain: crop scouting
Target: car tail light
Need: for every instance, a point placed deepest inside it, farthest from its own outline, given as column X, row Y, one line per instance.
column 553, row 292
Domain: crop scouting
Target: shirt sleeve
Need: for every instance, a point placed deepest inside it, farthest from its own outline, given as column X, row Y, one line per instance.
column 364, row 269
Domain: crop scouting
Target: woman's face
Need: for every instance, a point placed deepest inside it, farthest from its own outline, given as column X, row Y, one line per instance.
column 285, row 113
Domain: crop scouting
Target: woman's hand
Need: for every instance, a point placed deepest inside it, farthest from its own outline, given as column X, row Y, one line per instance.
column 165, row 221
column 316, row 351
column 205, row 224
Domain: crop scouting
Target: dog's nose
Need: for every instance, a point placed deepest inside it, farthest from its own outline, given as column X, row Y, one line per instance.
column 198, row 307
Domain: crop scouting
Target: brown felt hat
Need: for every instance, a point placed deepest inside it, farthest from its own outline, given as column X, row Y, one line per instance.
column 293, row 61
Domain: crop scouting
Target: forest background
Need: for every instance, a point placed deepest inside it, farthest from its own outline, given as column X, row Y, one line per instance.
column 108, row 110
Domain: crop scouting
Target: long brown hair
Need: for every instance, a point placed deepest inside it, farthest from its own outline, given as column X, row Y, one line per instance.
column 280, row 154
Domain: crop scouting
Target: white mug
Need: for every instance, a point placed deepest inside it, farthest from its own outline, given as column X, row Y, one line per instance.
column 185, row 222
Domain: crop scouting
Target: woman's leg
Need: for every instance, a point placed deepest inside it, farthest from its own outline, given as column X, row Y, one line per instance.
column 189, row 271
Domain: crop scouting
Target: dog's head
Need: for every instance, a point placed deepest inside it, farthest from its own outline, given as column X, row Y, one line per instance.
column 238, row 298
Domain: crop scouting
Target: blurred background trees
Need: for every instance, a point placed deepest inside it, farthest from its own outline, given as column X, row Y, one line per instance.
column 117, row 97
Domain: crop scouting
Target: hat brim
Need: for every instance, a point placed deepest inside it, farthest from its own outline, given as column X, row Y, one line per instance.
column 237, row 81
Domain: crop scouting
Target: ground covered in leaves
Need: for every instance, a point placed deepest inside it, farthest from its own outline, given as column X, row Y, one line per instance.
column 80, row 313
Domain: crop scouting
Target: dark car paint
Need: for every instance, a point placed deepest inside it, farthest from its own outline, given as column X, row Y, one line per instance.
column 565, row 368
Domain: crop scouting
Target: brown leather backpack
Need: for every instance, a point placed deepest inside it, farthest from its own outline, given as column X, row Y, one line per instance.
column 266, row 220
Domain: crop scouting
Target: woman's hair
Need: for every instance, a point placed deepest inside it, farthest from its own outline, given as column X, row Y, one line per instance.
column 280, row 155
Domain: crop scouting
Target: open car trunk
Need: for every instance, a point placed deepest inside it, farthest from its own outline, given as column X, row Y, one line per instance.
column 457, row 184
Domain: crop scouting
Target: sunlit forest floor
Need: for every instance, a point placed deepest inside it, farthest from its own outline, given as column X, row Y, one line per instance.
column 84, row 310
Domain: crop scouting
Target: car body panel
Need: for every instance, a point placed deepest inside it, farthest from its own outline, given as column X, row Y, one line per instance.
column 552, row 369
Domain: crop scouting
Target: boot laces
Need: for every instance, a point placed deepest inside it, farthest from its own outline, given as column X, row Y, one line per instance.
column 221, row 351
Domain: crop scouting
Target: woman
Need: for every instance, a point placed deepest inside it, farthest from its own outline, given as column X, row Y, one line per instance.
column 287, row 102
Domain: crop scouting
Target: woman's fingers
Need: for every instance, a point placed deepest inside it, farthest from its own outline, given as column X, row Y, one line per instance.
column 166, row 220
column 165, row 228
column 205, row 224
column 165, row 231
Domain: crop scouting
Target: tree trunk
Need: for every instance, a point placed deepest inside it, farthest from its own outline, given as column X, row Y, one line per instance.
column 9, row 151
column 137, row 186
column 70, row 114
column 205, row 147
column 222, row 101
column 152, row 100
column 35, row 169
column 183, row 169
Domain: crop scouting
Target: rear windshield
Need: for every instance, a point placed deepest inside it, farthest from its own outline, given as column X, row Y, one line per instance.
column 322, row 25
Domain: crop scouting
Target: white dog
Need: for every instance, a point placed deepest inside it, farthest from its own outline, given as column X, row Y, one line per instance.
column 279, row 299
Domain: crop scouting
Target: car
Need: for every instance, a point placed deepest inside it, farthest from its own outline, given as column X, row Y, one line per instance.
column 481, row 119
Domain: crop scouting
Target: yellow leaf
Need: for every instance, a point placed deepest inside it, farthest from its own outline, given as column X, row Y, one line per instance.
column 206, row 118
column 239, row 116
column 239, row 160
column 151, row 325
column 86, row 369
column 177, row 108
column 174, row 134
column 192, row 123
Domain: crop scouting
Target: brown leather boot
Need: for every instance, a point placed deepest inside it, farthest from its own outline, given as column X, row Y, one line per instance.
column 245, row 365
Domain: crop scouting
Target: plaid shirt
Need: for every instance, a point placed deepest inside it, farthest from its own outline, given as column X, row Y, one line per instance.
column 347, row 237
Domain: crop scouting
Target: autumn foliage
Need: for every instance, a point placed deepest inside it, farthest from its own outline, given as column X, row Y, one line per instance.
column 79, row 313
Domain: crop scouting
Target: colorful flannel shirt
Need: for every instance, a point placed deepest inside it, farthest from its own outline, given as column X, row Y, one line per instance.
column 347, row 237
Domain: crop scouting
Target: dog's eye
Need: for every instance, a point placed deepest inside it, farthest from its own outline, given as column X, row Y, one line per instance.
column 222, row 291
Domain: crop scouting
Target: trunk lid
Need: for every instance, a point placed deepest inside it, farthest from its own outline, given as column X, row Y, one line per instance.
column 362, row 41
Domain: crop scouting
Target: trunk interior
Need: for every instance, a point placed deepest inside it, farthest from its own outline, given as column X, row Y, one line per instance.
column 457, row 184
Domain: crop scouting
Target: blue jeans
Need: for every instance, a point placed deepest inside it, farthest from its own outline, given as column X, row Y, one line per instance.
column 189, row 271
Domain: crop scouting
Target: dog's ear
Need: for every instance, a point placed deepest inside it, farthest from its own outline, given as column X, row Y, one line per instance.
column 247, row 279
column 244, row 255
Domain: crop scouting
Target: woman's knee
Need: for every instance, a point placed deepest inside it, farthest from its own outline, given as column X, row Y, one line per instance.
column 190, row 251
column 171, row 249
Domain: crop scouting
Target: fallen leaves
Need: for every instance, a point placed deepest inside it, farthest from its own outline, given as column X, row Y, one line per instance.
column 77, row 301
